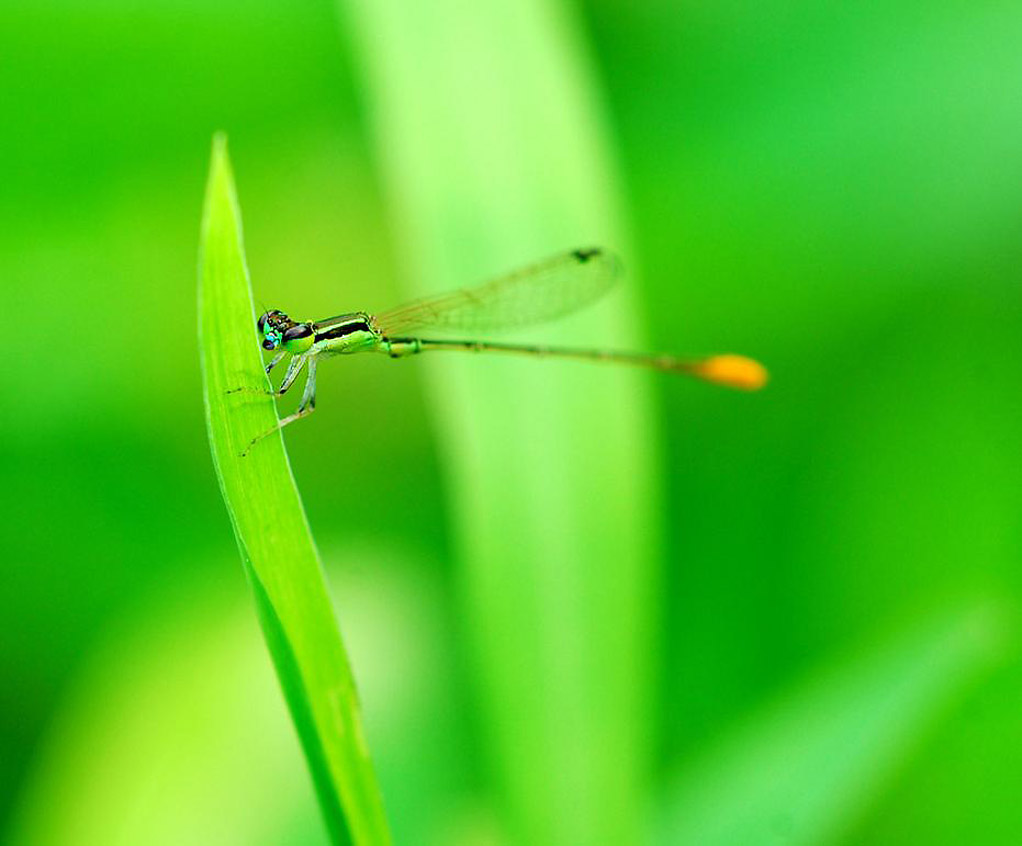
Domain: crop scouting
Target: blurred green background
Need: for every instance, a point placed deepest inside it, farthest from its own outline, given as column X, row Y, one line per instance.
column 834, row 189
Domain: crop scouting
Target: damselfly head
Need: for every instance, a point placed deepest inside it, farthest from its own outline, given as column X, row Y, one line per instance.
column 272, row 325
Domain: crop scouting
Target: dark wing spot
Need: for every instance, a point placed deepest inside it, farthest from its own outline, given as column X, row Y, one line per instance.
column 584, row 255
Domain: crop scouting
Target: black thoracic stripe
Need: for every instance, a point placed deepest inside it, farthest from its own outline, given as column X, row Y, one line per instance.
column 342, row 330
column 293, row 333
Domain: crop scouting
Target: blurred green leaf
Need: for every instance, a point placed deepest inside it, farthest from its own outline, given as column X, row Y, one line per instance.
column 495, row 153
column 802, row 771
column 178, row 710
column 273, row 536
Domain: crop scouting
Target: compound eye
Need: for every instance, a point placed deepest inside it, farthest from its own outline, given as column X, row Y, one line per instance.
column 272, row 339
column 273, row 314
column 302, row 330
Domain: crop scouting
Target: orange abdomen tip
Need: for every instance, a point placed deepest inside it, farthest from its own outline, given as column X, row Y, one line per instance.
column 734, row 371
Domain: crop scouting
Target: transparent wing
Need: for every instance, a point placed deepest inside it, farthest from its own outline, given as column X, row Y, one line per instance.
column 542, row 291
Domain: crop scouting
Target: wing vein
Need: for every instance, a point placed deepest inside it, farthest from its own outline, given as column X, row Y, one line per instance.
column 534, row 294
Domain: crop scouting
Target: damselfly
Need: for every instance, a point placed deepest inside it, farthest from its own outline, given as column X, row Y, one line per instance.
column 543, row 291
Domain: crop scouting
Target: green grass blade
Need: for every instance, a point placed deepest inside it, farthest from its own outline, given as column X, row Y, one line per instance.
column 495, row 154
column 273, row 535
column 803, row 771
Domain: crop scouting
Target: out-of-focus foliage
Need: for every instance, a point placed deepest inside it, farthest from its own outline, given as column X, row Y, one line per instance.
column 833, row 189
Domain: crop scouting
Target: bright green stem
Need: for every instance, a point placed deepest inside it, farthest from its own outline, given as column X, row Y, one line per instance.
column 494, row 154
column 273, row 535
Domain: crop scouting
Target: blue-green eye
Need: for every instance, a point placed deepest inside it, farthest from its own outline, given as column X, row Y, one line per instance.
column 271, row 318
